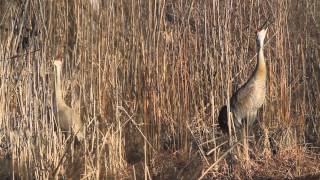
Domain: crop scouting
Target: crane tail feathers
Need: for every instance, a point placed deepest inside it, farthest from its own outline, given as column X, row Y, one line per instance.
column 223, row 119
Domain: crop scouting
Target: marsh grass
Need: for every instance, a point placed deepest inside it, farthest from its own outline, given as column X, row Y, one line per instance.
column 148, row 78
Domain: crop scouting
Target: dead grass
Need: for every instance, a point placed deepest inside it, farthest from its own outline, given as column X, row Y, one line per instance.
column 148, row 78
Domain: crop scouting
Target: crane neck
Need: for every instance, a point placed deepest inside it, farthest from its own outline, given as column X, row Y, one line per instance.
column 261, row 64
column 261, row 60
column 58, row 84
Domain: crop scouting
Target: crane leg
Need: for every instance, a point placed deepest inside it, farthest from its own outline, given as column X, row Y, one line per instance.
column 245, row 142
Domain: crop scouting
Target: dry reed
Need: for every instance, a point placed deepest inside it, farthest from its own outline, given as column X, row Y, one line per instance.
column 148, row 78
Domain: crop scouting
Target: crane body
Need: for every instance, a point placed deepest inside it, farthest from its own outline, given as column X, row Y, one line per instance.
column 246, row 101
column 68, row 118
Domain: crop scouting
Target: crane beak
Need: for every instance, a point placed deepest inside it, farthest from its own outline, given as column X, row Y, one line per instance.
column 266, row 24
column 266, row 28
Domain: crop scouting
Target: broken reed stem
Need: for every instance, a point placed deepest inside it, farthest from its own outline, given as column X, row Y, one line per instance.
column 216, row 162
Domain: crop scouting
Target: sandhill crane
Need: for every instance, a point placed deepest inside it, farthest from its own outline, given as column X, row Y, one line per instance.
column 246, row 101
column 67, row 117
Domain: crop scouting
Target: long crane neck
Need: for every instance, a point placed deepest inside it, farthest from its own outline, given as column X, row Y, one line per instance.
column 58, row 84
column 261, row 71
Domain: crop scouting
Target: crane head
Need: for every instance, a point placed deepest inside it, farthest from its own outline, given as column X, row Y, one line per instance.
column 58, row 61
column 261, row 34
column 262, row 31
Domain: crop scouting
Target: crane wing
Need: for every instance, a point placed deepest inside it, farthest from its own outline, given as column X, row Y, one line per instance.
column 244, row 97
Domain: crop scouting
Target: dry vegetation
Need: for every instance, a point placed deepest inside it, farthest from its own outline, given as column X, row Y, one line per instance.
column 148, row 78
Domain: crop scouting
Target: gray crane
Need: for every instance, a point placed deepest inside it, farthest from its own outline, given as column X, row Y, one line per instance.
column 246, row 101
column 68, row 118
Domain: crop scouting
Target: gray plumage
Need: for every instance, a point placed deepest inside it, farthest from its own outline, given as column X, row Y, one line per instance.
column 246, row 101
column 68, row 118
